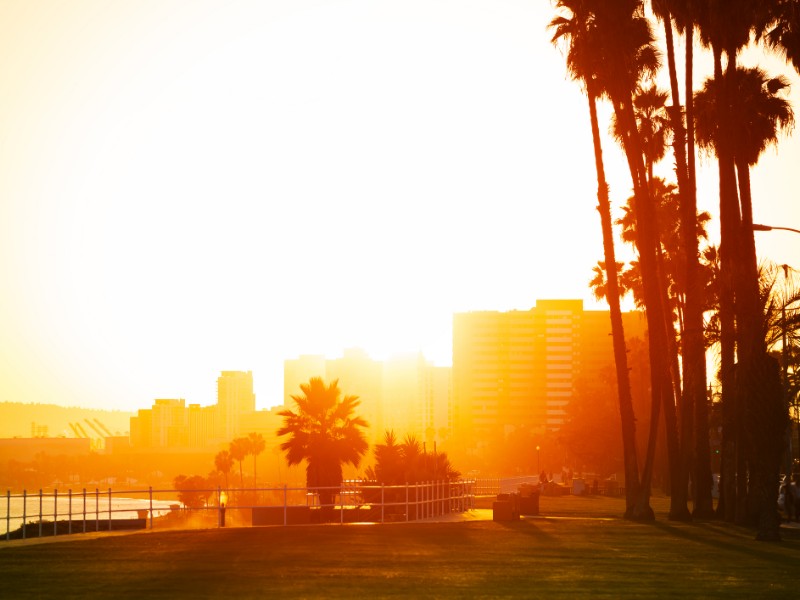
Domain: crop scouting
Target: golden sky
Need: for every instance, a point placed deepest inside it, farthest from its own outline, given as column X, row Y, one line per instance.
column 188, row 186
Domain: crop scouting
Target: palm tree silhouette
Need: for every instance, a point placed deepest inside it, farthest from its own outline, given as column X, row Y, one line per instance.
column 257, row 445
column 685, row 14
column 652, row 123
column 239, row 449
column 751, row 102
column 389, row 465
column 324, row 432
column 626, row 44
column 781, row 29
column 223, row 462
column 574, row 28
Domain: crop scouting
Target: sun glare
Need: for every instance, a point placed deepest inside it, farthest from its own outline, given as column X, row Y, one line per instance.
column 191, row 187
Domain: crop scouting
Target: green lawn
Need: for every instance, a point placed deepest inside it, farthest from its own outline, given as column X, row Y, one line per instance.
column 577, row 548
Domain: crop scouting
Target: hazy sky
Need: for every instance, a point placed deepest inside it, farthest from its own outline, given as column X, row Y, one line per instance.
column 189, row 186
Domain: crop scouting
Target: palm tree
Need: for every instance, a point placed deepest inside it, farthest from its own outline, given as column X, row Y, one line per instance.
column 760, row 115
column 325, row 433
column 574, row 28
column 411, row 451
column 223, row 461
column 239, row 448
column 389, row 460
column 695, row 452
column 257, row 445
column 652, row 123
column 727, row 28
column 780, row 28
column 626, row 45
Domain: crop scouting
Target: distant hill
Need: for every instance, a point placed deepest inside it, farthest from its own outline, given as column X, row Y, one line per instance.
column 30, row 420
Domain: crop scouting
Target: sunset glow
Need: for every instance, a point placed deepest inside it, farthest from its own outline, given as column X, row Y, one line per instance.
column 193, row 186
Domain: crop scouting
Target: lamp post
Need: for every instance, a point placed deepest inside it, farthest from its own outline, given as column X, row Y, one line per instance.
column 223, row 500
column 759, row 227
column 537, row 461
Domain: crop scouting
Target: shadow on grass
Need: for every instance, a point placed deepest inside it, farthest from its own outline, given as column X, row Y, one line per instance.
column 746, row 545
column 528, row 527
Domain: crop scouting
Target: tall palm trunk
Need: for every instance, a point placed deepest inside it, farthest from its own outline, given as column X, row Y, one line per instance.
column 761, row 379
column 693, row 412
column 627, row 418
column 688, row 210
column 694, row 368
column 746, row 306
column 730, row 492
column 647, row 240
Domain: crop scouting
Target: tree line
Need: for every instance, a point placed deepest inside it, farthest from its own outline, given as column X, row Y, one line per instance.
column 325, row 432
column 610, row 49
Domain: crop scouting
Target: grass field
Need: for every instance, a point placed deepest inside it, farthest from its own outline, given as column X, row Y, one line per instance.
column 578, row 547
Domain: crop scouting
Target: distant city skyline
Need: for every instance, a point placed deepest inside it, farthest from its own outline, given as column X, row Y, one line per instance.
column 189, row 187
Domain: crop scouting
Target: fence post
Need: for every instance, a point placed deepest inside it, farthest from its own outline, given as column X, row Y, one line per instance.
column 84, row 510
column 24, row 513
column 69, row 527
column 407, row 515
column 8, row 515
column 40, row 512
column 97, row 509
column 426, row 490
column 55, row 512
column 285, row 520
column 109, row 509
column 383, row 501
column 151, row 506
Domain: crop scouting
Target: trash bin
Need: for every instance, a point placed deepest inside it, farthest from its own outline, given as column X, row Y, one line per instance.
column 506, row 507
column 529, row 505
column 528, row 499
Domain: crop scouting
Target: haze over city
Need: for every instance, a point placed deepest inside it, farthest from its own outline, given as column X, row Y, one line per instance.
column 189, row 187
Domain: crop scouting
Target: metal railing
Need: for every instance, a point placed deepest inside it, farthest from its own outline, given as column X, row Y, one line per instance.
column 502, row 485
column 58, row 513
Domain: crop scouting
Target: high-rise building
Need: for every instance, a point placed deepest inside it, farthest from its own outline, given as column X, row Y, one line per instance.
column 170, row 424
column 235, row 400
column 165, row 425
column 437, row 406
column 203, row 428
column 405, row 393
column 299, row 370
column 520, row 369
column 360, row 375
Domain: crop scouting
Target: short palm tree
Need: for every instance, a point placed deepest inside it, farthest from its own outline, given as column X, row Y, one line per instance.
column 239, row 449
column 224, row 463
column 325, row 433
column 389, row 460
column 257, row 445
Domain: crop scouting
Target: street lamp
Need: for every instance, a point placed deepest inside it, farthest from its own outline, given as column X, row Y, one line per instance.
column 759, row 227
column 223, row 500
